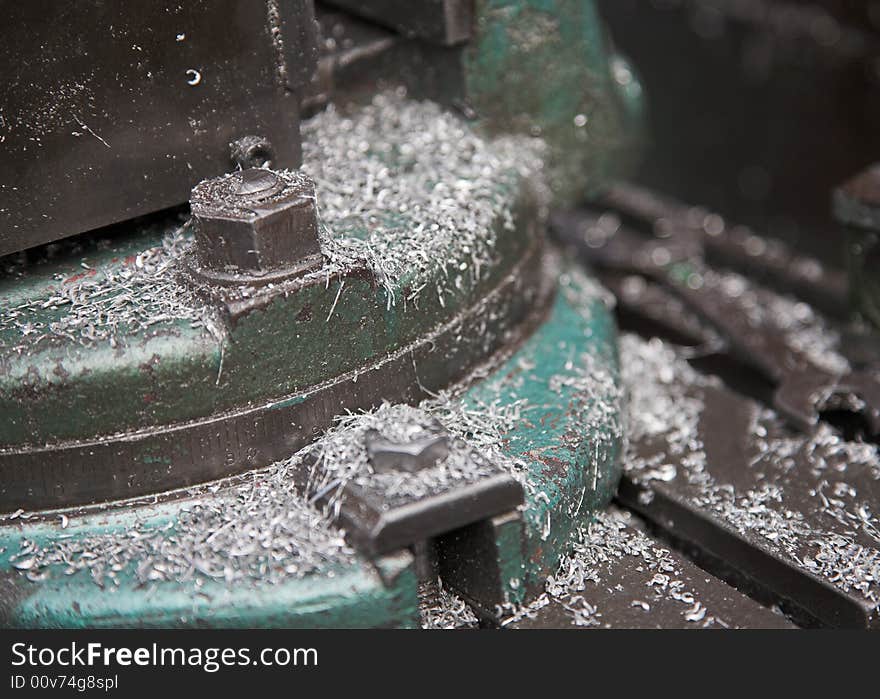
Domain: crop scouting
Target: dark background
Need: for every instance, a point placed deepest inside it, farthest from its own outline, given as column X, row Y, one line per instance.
column 757, row 108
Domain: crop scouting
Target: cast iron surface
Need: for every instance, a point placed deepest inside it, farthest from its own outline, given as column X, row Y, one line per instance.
column 123, row 112
column 672, row 253
column 737, row 461
column 379, row 528
column 767, row 260
column 357, row 58
column 439, row 21
column 785, row 512
column 638, row 583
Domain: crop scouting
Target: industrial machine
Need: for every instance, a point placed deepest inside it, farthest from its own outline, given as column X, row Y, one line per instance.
column 354, row 382
column 356, row 364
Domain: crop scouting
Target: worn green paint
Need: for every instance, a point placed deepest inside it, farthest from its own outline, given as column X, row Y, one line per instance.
column 513, row 564
column 174, row 372
column 543, row 67
column 563, row 454
column 534, row 66
column 352, row 598
column 339, row 597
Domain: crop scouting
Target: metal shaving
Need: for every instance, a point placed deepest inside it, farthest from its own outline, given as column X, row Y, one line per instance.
column 441, row 609
column 588, row 565
column 475, row 452
column 263, row 530
column 112, row 302
column 802, row 328
column 598, row 397
column 485, row 426
column 658, row 406
column 581, row 291
column 259, row 532
column 847, row 564
column 342, row 458
column 402, row 184
column 836, row 538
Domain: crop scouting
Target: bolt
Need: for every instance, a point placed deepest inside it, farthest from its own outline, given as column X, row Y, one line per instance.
column 386, row 455
column 254, row 222
column 251, row 151
column 257, row 184
column 857, row 206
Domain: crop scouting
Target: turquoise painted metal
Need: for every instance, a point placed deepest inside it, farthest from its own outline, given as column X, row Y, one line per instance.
column 536, row 67
column 545, row 68
column 566, row 380
column 563, row 379
column 362, row 594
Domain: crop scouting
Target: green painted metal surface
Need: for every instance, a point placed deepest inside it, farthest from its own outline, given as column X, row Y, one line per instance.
column 62, row 390
column 543, row 67
column 360, row 594
column 565, row 378
column 536, row 67
column 562, row 380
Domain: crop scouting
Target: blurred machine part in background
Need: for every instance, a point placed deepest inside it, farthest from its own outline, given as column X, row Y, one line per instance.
column 757, row 109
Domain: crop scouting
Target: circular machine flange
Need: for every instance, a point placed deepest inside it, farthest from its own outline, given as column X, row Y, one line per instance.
column 446, row 285
column 119, row 378
column 191, row 560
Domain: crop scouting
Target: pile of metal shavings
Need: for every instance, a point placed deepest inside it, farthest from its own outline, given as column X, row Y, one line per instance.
column 340, row 457
column 838, row 539
column 805, row 331
column 485, row 426
column 582, row 290
column 830, row 467
column 217, row 196
column 262, row 529
column 402, row 184
column 590, row 563
column 259, row 532
column 658, row 406
column 111, row 303
column 597, row 403
column 441, row 609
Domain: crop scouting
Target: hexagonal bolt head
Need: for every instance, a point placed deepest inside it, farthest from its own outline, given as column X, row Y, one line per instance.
column 251, row 151
column 255, row 222
column 414, row 455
